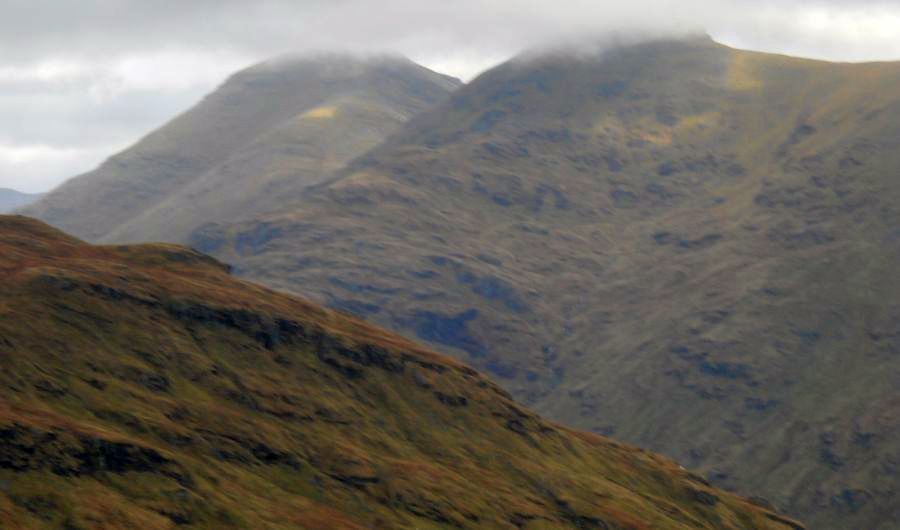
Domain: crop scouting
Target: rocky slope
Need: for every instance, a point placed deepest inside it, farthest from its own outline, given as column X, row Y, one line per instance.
column 143, row 387
column 12, row 199
column 690, row 247
column 267, row 133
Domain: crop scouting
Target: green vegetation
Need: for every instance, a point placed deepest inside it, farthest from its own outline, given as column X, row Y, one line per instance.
column 143, row 387
column 689, row 247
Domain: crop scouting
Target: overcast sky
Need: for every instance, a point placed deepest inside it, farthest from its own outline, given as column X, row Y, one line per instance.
column 82, row 79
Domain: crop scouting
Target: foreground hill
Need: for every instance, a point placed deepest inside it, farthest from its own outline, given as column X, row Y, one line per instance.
column 687, row 246
column 267, row 133
column 12, row 199
column 143, row 387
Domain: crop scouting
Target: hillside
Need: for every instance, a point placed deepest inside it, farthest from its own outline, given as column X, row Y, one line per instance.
column 267, row 133
column 686, row 246
column 12, row 199
column 143, row 387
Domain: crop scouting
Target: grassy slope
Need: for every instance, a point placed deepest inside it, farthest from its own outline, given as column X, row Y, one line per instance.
column 143, row 387
column 684, row 245
column 265, row 134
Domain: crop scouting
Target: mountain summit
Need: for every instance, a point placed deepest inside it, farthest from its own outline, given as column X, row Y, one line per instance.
column 143, row 387
column 685, row 245
column 264, row 135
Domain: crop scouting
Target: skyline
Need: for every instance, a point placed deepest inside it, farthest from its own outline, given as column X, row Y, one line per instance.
column 80, row 85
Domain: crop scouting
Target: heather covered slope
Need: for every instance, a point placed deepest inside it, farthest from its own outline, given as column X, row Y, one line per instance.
column 687, row 246
column 143, row 387
column 267, row 133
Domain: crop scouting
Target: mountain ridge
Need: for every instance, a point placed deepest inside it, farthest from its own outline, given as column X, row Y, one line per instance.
column 678, row 243
column 314, row 111
column 628, row 243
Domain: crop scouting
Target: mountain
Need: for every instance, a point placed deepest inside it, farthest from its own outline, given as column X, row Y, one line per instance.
column 263, row 136
column 12, row 199
column 690, row 247
column 143, row 387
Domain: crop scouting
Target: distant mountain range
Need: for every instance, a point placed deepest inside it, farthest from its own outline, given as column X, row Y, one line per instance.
column 259, row 140
column 12, row 199
column 143, row 387
column 679, row 244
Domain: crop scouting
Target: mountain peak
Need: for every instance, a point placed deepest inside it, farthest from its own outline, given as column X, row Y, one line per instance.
column 222, row 158
column 592, row 48
column 336, row 65
column 627, row 240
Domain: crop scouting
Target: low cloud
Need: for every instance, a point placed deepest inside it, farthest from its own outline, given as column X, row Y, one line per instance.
column 78, row 78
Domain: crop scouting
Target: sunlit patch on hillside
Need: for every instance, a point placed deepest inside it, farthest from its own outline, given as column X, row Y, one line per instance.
column 650, row 130
column 697, row 122
column 742, row 73
column 357, row 178
column 657, row 135
column 644, row 129
column 607, row 125
column 320, row 113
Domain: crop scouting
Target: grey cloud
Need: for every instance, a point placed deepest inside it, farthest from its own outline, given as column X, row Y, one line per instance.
column 73, row 119
column 136, row 62
column 33, row 29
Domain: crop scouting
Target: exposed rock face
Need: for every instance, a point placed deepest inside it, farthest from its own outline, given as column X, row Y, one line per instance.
column 143, row 387
column 64, row 453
